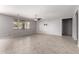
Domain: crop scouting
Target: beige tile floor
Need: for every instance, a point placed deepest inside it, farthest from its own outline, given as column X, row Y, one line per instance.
column 40, row 44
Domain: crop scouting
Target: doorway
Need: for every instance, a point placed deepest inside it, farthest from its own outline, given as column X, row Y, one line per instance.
column 67, row 27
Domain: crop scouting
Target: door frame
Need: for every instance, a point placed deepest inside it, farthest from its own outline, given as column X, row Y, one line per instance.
column 62, row 24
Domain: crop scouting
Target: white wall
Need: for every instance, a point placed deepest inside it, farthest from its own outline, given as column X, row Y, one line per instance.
column 74, row 25
column 74, row 28
column 78, row 27
column 6, row 27
column 54, row 27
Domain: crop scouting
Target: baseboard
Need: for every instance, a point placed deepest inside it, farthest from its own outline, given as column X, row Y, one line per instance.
column 49, row 34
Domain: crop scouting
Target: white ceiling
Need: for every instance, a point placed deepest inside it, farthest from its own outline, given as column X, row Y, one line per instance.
column 43, row 11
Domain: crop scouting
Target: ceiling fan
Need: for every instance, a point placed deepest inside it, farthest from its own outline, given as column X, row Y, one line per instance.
column 37, row 18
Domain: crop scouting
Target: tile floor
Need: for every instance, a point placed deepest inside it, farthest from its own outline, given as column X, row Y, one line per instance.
column 39, row 44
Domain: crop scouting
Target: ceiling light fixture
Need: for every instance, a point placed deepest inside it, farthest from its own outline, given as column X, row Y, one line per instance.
column 37, row 18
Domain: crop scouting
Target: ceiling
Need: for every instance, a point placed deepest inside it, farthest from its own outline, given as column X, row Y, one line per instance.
column 43, row 11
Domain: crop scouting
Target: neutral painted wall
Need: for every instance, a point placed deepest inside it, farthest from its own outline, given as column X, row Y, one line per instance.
column 54, row 27
column 6, row 27
column 78, row 27
column 74, row 26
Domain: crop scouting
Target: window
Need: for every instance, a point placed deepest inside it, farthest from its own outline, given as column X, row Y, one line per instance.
column 21, row 24
column 17, row 25
column 27, row 25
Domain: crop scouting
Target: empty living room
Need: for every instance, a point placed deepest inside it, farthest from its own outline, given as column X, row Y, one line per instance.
column 39, row 29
